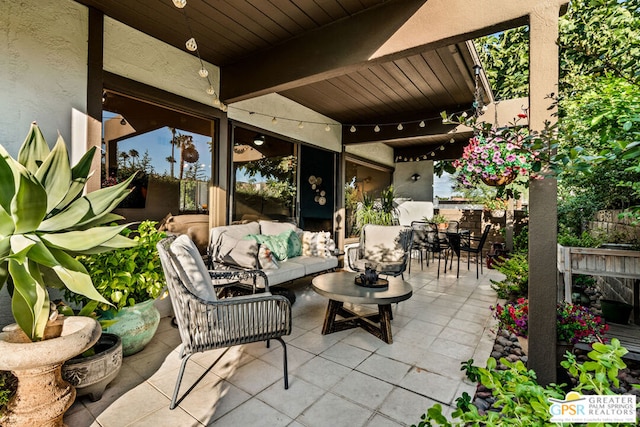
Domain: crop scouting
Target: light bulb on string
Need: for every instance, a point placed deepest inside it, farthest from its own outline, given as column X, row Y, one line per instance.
column 433, row 154
column 300, row 125
column 451, row 141
column 327, row 127
column 274, row 120
column 211, row 90
column 216, row 101
column 352, row 129
column 191, row 44
column 376, row 129
column 422, row 124
column 400, row 127
column 179, row 3
column 442, row 148
column 203, row 73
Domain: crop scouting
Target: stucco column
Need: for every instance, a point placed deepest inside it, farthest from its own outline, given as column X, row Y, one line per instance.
column 543, row 81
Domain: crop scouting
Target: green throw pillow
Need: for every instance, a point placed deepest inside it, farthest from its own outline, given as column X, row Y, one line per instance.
column 284, row 245
column 294, row 244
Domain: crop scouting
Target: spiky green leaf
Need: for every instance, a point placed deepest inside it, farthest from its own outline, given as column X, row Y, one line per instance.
column 7, row 183
column 55, row 174
column 77, row 241
column 34, row 149
column 7, row 227
column 29, row 205
column 20, row 246
column 75, row 276
column 79, row 175
column 30, row 302
column 118, row 242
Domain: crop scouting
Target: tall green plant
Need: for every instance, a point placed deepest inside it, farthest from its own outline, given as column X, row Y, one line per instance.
column 372, row 211
column 45, row 221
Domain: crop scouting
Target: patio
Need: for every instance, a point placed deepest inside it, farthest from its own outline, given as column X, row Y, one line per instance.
column 349, row 378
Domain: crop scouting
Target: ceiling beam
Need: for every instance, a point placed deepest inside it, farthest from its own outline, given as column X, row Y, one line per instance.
column 392, row 30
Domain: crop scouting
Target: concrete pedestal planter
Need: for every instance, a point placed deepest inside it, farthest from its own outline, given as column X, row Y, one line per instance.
column 91, row 375
column 42, row 396
column 135, row 325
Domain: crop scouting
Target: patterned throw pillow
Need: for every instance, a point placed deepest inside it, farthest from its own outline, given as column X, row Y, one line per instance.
column 318, row 244
column 266, row 259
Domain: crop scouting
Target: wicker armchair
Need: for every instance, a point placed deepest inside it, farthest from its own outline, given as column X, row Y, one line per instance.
column 207, row 322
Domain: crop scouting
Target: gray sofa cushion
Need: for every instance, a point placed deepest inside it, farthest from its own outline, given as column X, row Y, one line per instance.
column 237, row 230
column 273, row 228
column 314, row 264
column 287, row 271
column 240, row 252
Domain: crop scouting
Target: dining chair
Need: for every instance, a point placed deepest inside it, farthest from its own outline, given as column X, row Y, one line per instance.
column 205, row 320
column 437, row 244
column 420, row 242
column 474, row 245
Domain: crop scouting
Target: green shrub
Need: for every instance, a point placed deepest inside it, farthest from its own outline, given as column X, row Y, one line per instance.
column 584, row 240
column 127, row 276
column 516, row 282
column 521, row 401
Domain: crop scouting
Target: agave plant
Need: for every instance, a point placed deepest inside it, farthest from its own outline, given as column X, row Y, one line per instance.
column 45, row 221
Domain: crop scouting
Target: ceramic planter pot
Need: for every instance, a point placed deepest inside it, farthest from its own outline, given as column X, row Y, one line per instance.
column 136, row 326
column 42, row 396
column 91, row 375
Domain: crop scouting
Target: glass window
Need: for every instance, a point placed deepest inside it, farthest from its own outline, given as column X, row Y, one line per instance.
column 265, row 170
column 169, row 151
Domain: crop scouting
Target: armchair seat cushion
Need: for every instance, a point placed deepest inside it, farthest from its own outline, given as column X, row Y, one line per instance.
column 196, row 276
column 286, row 271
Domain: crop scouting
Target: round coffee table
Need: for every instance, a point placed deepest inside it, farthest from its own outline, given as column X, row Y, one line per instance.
column 340, row 287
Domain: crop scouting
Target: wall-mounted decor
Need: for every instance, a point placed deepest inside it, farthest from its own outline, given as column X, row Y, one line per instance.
column 316, row 185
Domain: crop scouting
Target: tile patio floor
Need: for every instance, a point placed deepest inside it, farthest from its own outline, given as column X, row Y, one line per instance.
column 349, row 378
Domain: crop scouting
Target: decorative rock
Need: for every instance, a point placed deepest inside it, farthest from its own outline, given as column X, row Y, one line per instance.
column 504, row 341
column 496, row 354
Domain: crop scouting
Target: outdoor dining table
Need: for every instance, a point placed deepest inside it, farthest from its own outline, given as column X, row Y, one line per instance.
column 456, row 239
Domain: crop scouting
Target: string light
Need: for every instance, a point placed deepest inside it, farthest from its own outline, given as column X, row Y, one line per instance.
column 376, row 129
column 422, row 124
column 352, row 129
column 274, row 120
column 327, row 127
column 203, row 73
column 300, row 125
column 179, row 3
column 400, row 127
column 211, row 91
column 191, row 44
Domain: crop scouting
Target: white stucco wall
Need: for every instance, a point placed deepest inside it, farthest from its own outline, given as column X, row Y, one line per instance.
column 405, row 187
column 265, row 108
column 43, row 68
column 137, row 56
column 377, row 152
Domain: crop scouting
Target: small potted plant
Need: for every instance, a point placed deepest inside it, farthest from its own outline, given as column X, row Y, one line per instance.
column 574, row 323
column 497, row 207
column 438, row 219
column 44, row 222
column 130, row 279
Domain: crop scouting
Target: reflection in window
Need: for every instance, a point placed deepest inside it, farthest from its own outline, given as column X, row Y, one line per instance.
column 362, row 179
column 265, row 177
column 169, row 151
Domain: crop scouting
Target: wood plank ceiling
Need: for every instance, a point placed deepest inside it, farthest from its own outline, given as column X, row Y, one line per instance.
column 406, row 89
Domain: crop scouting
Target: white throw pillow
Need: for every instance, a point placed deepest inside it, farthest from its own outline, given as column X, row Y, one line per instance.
column 318, row 244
